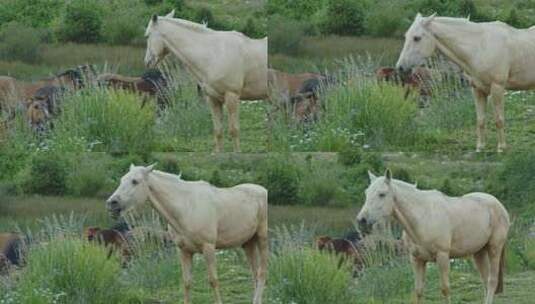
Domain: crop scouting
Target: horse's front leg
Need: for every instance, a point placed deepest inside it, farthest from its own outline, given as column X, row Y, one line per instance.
column 418, row 267
column 481, row 103
column 496, row 94
column 232, row 102
column 186, row 260
column 209, row 255
column 443, row 262
column 217, row 119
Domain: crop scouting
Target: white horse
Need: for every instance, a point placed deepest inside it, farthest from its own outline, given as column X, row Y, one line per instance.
column 202, row 218
column 437, row 228
column 495, row 55
column 228, row 65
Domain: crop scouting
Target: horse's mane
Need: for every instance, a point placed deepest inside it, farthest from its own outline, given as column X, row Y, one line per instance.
column 176, row 178
column 154, row 76
column 118, row 77
column 197, row 27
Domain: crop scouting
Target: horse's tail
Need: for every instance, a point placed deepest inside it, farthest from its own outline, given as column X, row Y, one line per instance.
column 499, row 287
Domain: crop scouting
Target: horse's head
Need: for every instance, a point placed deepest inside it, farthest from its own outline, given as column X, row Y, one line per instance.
column 132, row 191
column 379, row 203
column 37, row 114
column 156, row 47
column 419, row 44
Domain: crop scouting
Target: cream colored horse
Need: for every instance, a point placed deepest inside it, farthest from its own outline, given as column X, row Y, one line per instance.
column 495, row 55
column 437, row 228
column 203, row 218
column 228, row 65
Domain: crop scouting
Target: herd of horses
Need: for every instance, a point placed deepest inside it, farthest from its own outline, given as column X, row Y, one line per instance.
column 203, row 218
column 41, row 101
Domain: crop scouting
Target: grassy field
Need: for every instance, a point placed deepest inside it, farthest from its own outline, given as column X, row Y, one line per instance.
column 154, row 274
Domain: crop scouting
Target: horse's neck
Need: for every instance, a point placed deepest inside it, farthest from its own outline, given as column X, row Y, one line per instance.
column 410, row 210
column 163, row 189
column 190, row 46
column 457, row 40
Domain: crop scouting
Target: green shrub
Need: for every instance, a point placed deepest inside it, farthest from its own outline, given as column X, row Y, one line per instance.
column 350, row 156
column 123, row 28
column 345, row 17
column 89, row 176
column 81, row 22
column 105, row 120
column 19, row 42
column 385, row 20
column 46, row 174
column 305, row 275
column 320, row 186
column 254, row 29
column 71, row 270
column 285, row 35
column 280, row 175
column 514, row 183
column 152, row 2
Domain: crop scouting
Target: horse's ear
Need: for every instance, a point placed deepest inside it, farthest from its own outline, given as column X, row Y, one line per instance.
column 132, row 166
column 149, row 169
column 418, row 16
column 430, row 18
column 154, row 18
column 371, row 176
column 171, row 14
column 388, row 176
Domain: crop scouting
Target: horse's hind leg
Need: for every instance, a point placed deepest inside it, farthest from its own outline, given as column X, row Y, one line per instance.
column 263, row 251
column 497, row 92
column 232, row 102
column 209, row 255
column 252, row 258
column 481, row 103
column 495, row 255
column 481, row 260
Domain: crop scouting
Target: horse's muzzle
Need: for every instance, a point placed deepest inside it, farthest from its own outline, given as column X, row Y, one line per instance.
column 113, row 208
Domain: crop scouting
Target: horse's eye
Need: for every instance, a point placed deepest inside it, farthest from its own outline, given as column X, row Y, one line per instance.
column 382, row 195
column 134, row 182
column 417, row 38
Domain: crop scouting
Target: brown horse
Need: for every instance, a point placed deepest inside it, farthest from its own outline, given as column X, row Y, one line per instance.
column 418, row 80
column 345, row 248
column 151, row 84
column 44, row 105
column 10, row 251
column 113, row 239
column 293, row 91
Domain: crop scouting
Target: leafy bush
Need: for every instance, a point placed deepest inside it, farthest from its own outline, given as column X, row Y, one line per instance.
column 89, row 176
column 514, row 183
column 385, row 20
column 46, row 174
column 72, row 271
column 285, row 35
column 305, row 275
column 345, row 17
column 19, row 42
column 123, row 27
column 280, row 176
column 105, row 120
column 81, row 22
column 254, row 29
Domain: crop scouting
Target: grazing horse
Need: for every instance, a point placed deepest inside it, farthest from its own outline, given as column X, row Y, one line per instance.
column 437, row 228
column 347, row 249
column 419, row 79
column 10, row 250
column 151, row 84
column 228, row 65
column 202, row 218
column 45, row 104
column 111, row 238
column 495, row 56
column 298, row 92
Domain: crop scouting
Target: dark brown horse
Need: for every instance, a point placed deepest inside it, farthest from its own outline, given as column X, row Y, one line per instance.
column 151, row 84
column 10, row 251
column 113, row 239
column 45, row 104
column 418, row 80
column 346, row 248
